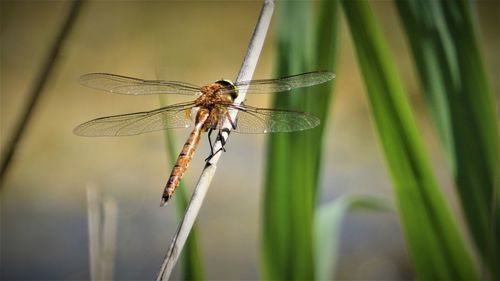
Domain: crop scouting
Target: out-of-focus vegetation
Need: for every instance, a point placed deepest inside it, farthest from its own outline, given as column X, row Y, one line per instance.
column 437, row 250
column 306, row 41
column 447, row 56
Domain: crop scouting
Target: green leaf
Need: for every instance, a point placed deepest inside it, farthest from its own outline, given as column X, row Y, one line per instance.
column 435, row 245
column 191, row 261
column 293, row 159
column 327, row 229
column 450, row 66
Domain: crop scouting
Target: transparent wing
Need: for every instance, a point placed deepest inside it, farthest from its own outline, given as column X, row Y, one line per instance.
column 133, row 86
column 252, row 120
column 286, row 83
column 174, row 116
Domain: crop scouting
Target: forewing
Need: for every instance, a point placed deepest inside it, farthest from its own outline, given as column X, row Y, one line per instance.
column 133, row 86
column 286, row 83
column 174, row 116
column 252, row 120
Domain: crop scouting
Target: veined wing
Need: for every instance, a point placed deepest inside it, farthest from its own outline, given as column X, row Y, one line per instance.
column 173, row 116
column 253, row 120
column 133, row 86
column 286, row 83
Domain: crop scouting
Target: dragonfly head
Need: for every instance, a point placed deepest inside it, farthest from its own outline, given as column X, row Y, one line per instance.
column 227, row 84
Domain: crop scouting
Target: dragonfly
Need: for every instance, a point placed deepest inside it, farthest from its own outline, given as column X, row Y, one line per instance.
column 210, row 109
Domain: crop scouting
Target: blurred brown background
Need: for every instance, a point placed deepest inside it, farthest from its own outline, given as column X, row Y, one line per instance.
column 43, row 200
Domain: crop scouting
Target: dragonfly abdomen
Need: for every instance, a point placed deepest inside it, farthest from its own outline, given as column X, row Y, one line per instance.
column 185, row 156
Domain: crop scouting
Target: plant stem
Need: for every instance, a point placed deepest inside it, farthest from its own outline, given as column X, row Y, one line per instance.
column 246, row 72
column 102, row 227
column 39, row 86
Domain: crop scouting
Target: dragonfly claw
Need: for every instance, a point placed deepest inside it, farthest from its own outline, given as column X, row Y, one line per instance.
column 213, row 153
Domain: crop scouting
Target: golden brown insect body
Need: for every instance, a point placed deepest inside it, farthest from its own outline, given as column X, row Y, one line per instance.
column 212, row 106
column 213, row 103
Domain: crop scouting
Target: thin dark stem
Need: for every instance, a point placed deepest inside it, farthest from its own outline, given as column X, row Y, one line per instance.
column 41, row 81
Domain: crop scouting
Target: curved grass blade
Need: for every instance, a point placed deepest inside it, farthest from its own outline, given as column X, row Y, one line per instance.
column 435, row 245
column 328, row 222
column 450, row 66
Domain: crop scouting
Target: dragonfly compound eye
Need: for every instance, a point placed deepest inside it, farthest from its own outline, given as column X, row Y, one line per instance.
column 226, row 84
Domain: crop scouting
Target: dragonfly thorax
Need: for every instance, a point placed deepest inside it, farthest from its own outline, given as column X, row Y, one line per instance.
column 219, row 93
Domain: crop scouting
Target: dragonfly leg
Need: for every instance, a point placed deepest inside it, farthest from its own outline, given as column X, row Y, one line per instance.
column 212, row 153
column 220, row 137
column 222, row 140
column 210, row 141
column 233, row 124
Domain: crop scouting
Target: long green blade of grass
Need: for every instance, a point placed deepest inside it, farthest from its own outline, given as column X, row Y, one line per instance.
column 324, row 58
column 429, row 42
column 293, row 159
column 191, row 261
column 436, row 248
column 289, row 194
column 449, row 63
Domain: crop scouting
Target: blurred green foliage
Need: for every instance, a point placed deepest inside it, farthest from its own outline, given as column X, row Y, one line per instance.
column 449, row 62
column 293, row 159
column 435, row 245
column 455, row 85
